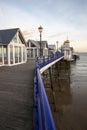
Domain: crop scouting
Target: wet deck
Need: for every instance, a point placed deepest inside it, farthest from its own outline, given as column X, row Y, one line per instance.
column 16, row 97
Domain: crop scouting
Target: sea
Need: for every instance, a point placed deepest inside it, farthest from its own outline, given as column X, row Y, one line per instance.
column 78, row 89
column 69, row 100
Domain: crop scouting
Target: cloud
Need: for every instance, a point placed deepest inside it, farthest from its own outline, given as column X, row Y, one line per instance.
column 31, row 32
column 28, row 32
column 56, row 17
column 1, row 12
column 50, row 1
column 57, row 34
column 16, row 17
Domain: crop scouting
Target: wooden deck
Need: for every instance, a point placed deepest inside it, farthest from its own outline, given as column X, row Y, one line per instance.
column 16, row 97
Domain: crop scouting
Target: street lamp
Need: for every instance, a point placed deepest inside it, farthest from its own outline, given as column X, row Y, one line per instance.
column 40, row 30
column 57, row 45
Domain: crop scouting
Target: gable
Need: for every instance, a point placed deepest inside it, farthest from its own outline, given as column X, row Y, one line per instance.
column 14, row 39
column 11, row 35
column 32, row 43
column 21, row 38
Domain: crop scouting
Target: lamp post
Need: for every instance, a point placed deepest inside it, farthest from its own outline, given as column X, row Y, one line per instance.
column 40, row 30
column 57, row 45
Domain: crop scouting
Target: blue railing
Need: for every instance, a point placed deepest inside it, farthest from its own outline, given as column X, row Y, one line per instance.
column 43, row 119
column 42, row 61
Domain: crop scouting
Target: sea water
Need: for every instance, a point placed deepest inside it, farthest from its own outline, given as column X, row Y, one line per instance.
column 69, row 106
column 78, row 88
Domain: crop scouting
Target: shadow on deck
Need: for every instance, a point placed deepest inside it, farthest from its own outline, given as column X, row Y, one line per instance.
column 16, row 97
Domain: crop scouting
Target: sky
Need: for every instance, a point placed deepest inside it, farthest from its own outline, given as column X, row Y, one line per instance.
column 59, row 19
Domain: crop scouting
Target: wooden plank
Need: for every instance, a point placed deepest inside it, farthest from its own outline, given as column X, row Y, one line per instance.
column 16, row 97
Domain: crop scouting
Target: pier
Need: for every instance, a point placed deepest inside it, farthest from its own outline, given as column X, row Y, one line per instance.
column 16, row 97
column 24, row 104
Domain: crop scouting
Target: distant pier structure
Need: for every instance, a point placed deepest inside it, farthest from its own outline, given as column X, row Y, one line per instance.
column 69, row 52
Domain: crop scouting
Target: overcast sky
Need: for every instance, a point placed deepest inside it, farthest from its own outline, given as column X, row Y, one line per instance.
column 59, row 18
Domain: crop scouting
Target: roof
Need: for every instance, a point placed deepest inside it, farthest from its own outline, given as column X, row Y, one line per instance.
column 43, row 44
column 51, row 47
column 37, row 43
column 67, row 41
column 7, row 35
column 34, row 43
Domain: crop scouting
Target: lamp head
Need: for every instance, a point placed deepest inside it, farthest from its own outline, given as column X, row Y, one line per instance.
column 40, row 29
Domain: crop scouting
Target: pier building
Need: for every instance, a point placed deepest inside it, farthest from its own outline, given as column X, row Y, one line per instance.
column 33, row 48
column 12, row 47
column 67, row 50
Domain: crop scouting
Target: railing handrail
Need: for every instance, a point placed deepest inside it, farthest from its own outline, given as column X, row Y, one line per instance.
column 42, row 61
column 43, row 119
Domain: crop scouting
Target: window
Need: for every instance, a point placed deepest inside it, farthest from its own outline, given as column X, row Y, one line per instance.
column 35, row 52
column 0, row 55
column 5, row 54
column 11, row 54
column 28, row 44
column 16, row 54
column 32, row 45
column 31, row 53
column 28, row 53
column 20, row 58
column 23, row 53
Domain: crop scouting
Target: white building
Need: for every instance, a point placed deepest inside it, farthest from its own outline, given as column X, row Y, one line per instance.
column 12, row 47
column 33, row 48
column 52, row 49
column 67, row 50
